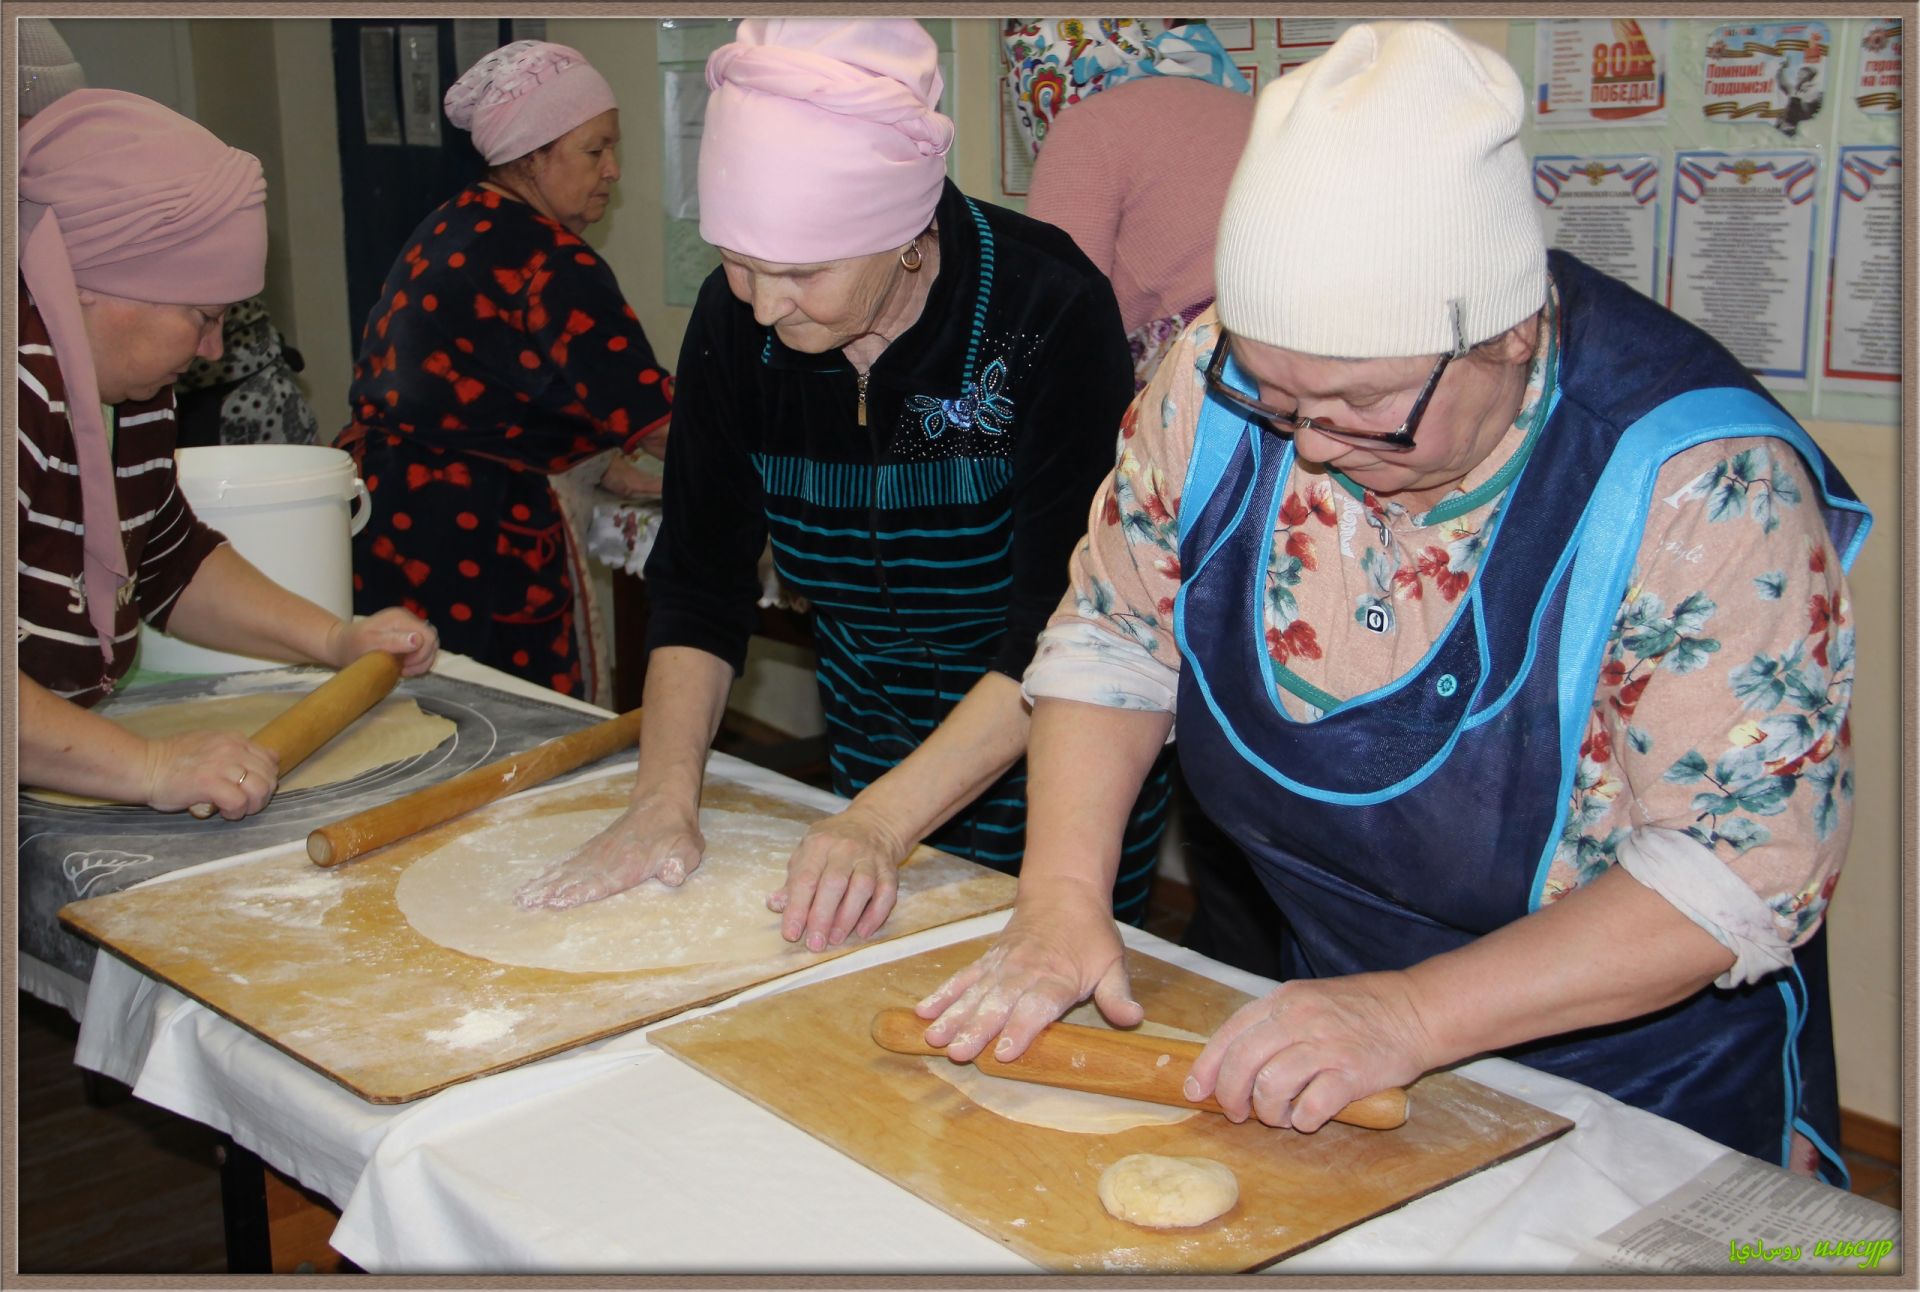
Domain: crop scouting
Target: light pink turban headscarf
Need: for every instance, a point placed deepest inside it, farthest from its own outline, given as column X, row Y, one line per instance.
column 523, row 95
column 822, row 140
column 123, row 196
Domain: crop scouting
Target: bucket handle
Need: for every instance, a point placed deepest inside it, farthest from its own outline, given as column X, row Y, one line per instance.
column 360, row 507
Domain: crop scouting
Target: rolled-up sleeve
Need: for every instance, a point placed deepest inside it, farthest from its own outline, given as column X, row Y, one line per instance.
column 1065, row 448
column 1110, row 641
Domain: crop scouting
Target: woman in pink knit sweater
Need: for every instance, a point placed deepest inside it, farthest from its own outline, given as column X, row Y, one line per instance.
column 1138, row 175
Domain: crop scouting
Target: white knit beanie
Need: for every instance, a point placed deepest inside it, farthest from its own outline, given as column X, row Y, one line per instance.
column 1382, row 191
column 47, row 67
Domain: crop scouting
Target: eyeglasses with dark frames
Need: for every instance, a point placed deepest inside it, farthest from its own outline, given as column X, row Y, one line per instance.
column 1289, row 424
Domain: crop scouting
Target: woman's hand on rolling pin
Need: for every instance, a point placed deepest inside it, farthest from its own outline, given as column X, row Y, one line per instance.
column 843, row 878
column 650, row 840
column 1060, row 946
column 1308, row 1048
column 392, row 630
column 217, row 767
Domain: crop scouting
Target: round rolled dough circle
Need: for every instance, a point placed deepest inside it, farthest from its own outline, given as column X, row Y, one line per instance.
column 1167, row 1192
column 461, row 896
column 1080, row 1112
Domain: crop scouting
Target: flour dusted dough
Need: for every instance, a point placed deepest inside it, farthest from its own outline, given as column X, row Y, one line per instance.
column 1079, row 1111
column 461, row 896
column 1167, row 1192
column 393, row 730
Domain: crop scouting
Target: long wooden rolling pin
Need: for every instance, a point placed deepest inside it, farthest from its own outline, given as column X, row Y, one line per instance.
column 411, row 813
column 323, row 713
column 1125, row 1064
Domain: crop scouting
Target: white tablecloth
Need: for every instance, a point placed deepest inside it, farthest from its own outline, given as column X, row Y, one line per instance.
column 618, row 1157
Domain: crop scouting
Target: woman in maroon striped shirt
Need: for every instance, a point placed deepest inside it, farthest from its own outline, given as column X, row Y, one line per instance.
column 137, row 229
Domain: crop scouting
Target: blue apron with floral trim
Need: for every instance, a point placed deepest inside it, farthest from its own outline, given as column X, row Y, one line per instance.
column 1411, row 820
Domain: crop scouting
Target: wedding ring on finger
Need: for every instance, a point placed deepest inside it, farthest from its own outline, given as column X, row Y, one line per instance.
column 243, row 777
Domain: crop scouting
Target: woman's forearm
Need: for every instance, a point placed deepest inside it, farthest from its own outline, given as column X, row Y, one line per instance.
column 684, row 696
column 1610, row 951
column 231, row 606
column 978, row 740
column 66, row 747
column 1077, row 816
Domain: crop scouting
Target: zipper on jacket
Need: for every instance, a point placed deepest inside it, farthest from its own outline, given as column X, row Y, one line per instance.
column 860, row 385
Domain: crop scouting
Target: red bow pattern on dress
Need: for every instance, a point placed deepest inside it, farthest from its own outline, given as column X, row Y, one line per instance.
column 416, row 572
column 419, row 477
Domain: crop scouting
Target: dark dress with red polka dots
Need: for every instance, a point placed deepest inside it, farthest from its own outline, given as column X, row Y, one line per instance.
column 501, row 350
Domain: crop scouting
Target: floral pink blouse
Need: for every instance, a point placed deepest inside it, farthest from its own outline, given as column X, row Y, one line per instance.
column 1717, row 764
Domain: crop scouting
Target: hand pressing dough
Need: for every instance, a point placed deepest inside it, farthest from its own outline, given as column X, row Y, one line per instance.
column 1078, row 1111
column 393, row 730
column 1167, row 1192
column 461, row 896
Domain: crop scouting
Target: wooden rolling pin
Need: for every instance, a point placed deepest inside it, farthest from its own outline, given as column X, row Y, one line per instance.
column 1124, row 1064
column 323, row 713
column 377, row 827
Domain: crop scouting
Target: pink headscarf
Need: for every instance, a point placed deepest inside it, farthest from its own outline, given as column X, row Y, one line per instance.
column 822, row 140
column 123, row 196
column 523, row 95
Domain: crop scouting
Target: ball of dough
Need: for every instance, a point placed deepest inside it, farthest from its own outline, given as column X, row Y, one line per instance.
column 1167, row 1192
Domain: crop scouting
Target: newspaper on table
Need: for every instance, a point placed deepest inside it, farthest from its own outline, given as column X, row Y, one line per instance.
column 1743, row 1216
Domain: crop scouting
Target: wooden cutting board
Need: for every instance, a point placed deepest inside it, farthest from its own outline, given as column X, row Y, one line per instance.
column 806, row 1055
column 322, row 964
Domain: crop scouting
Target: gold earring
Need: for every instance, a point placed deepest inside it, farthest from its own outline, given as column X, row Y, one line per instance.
column 910, row 258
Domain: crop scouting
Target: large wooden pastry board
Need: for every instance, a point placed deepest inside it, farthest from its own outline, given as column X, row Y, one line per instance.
column 322, row 964
column 806, row 1055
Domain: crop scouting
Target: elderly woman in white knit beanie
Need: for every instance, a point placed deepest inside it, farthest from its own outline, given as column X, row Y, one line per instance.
column 1501, row 620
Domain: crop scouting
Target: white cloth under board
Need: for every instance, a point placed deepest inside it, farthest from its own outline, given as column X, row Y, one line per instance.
column 617, row 1157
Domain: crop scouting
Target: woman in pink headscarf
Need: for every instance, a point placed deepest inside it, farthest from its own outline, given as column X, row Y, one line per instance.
column 138, row 229
column 501, row 352
column 914, row 395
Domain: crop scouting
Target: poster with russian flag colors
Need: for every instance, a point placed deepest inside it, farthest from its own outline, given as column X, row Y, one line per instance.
column 1603, row 209
column 1863, row 270
column 1740, row 254
column 1600, row 72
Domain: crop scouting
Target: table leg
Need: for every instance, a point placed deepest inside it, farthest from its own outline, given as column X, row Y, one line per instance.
column 273, row 1225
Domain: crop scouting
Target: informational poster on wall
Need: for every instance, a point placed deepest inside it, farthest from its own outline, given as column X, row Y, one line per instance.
column 1600, row 72
column 420, row 83
column 1603, row 209
column 1235, row 34
column 1863, row 274
column 685, row 104
column 473, row 40
column 1740, row 254
column 379, row 101
column 1772, row 73
column 1301, row 40
column 1876, row 79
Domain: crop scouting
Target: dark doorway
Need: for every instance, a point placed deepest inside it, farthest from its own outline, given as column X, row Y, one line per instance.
column 393, row 170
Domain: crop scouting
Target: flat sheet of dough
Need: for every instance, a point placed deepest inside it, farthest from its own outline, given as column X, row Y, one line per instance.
column 461, row 896
column 1078, row 1111
column 393, row 730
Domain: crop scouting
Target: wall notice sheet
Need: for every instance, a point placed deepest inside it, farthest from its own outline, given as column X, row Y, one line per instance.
column 1600, row 72
column 379, row 103
column 1863, row 279
column 1603, row 210
column 1876, row 81
column 1743, row 1216
column 420, row 83
column 1740, row 254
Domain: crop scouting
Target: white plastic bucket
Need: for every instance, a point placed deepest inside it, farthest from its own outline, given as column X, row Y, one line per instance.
column 292, row 510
